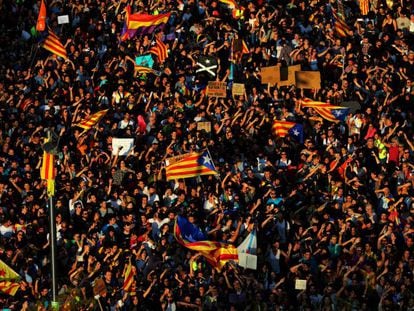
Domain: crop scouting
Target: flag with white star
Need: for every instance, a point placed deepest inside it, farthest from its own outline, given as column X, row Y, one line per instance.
column 327, row 111
column 283, row 128
column 192, row 165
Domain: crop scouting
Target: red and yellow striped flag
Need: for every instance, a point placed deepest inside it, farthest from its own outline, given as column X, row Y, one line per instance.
column 192, row 165
column 92, row 120
column 340, row 26
column 216, row 253
column 47, row 171
column 52, row 44
column 128, row 277
column 9, row 288
column 160, row 50
column 41, row 18
column 364, row 7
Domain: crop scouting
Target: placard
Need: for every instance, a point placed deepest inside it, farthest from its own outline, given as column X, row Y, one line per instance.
column 125, row 143
column 248, row 261
column 308, row 79
column 269, row 74
column 217, row 89
column 287, row 75
column 63, row 19
column 206, row 126
column 238, row 89
column 283, row 76
column 300, row 284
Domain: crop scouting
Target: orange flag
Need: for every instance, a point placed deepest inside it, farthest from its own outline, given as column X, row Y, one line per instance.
column 41, row 19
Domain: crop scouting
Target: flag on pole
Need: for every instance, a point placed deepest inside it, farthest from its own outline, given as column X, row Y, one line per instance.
column 52, row 44
column 7, row 273
column 47, row 171
column 140, row 24
column 92, row 120
column 247, row 251
column 160, row 50
column 9, row 288
column 283, row 128
column 192, row 165
column 327, row 111
column 216, row 253
column 41, row 18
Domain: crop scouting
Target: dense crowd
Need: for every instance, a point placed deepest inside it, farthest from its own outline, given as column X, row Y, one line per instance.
column 335, row 210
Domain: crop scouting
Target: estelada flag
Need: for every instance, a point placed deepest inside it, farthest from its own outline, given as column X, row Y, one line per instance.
column 190, row 236
column 41, row 19
column 192, row 165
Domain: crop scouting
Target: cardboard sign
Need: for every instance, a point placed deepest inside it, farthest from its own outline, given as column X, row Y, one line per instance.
column 300, row 284
column 217, row 89
column 268, row 74
column 63, row 19
column 308, row 79
column 125, row 143
column 206, row 126
column 248, row 261
column 238, row 89
column 283, row 76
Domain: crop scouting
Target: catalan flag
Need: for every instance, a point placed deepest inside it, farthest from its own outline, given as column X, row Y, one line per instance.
column 327, row 111
column 193, row 165
column 142, row 69
column 216, row 253
column 52, row 44
column 7, row 273
column 340, row 26
column 92, row 120
column 364, row 7
column 47, row 171
column 128, row 277
column 9, row 288
column 41, row 18
column 283, row 128
column 160, row 50
column 142, row 23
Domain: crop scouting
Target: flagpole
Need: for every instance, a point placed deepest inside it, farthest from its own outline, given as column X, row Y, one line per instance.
column 52, row 239
column 55, row 303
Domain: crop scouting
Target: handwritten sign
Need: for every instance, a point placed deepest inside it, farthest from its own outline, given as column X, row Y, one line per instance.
column 216, row 89
column 238, row 89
